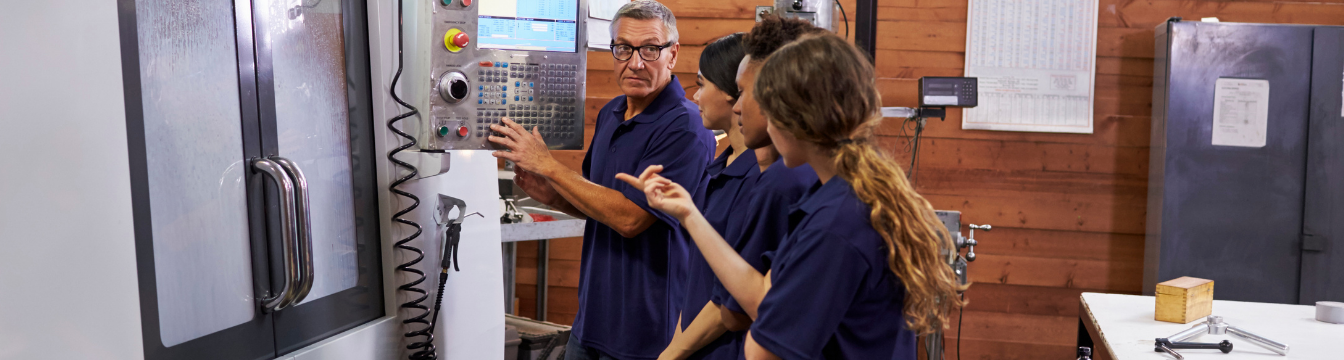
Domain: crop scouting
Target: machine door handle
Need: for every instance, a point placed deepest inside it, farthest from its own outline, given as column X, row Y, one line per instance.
column 285, row 297
column 303, row 225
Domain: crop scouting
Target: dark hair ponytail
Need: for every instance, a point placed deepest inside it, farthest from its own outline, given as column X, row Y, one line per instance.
column 718, row 63
column 824, row 91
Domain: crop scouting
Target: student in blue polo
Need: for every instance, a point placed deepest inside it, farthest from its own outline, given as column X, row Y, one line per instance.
column 630, row 283
column 859, row 275
column 730, row 178
column 779, row 186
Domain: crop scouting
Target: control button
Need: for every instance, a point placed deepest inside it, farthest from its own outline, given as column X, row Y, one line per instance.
column 506, row 65
column 506, row 88
column 466, row 3
column 455, row 40
column 515, row 98
column 453, row 86
column 462, row 131
column 443, row 131
column 447, row 2
column 485, row 64
column 504, row 102
column 529, row 98
column 518, row 83
column 531, row 84
column 461, row 40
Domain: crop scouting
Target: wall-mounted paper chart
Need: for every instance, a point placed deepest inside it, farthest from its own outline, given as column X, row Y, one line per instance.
column 1036, row 61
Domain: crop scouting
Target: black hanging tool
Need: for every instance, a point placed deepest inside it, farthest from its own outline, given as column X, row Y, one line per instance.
column 452, row 237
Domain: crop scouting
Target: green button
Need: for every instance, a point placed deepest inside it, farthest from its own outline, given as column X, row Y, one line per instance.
column 443, row 130
column 446, row 3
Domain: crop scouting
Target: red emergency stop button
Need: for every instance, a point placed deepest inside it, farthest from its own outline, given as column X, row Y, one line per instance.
column 462, row 131
column 455, row 40
column 461, row 40
column 466, row 3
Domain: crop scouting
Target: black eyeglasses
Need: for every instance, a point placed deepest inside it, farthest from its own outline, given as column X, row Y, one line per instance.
column 647, row 52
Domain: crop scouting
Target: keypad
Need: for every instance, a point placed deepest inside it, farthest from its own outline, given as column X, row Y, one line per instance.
column 521, row 83
column 553, row 121
column 533, row 95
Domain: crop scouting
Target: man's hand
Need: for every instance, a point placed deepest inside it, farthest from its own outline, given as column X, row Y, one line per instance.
column 535, row 186
column 662, row 194
column 526, row 149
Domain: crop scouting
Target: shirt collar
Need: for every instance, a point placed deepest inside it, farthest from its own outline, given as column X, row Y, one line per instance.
column 821, row 194
column 742, row 165
column 671, row 94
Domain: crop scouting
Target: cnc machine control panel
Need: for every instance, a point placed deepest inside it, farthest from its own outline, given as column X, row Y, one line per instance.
column 519, row 59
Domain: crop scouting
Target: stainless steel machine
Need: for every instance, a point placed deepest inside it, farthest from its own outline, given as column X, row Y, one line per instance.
column 520, row 59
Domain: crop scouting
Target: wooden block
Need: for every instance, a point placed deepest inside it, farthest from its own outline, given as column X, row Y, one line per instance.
column 1184, row 300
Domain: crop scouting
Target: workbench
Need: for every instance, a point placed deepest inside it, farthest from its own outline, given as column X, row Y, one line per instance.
column 1121, row 327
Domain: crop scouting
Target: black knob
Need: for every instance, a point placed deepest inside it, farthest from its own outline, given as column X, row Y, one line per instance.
column 453, row 86
column 797, row 5
column 457, row 89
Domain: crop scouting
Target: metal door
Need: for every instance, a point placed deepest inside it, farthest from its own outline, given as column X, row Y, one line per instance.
column 1231, row 214
column 1323, row 225
column 313, row 77
column 250, row 131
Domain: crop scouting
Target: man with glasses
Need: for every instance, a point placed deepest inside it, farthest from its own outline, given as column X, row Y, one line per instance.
column 633, row 255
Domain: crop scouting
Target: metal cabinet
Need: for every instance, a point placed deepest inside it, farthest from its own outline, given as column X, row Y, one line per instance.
column 252, row 174
column 1261, row 221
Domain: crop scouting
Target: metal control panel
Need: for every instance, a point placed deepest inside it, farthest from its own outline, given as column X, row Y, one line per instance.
column 519, row 59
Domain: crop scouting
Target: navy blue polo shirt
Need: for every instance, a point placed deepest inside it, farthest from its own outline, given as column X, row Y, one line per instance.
column 778, row 188
column 725, row 203
column 629, row 288
column 832, row 295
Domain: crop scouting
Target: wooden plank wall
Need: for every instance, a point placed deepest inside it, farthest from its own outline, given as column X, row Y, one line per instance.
column 1068, row 210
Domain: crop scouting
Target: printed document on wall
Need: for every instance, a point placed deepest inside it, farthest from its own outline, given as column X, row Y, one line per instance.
column 1240, row 112
column 1036, row 61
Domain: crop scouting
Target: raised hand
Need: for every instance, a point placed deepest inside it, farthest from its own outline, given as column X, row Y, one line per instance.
column 662, row 194
column 526, row 149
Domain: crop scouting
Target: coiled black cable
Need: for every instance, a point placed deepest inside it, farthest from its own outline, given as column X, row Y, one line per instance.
column 424, row 349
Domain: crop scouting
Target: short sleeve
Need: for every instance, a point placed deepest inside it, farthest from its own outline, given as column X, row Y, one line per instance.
column 812, row 288
column 683, row 160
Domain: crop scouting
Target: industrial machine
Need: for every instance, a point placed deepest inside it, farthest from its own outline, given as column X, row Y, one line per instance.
column 933, row 343
column 489, row 60
column 229, row 197
column 520, row 59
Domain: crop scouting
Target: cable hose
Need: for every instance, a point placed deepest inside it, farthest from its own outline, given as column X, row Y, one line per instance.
column 846, row 16
column 438, row 299
column 424, row 349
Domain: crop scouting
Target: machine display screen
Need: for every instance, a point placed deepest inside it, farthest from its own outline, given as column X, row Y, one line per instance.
column 528, row 25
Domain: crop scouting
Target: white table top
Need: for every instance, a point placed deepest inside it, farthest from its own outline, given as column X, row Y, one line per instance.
column 544, row 230
column 1126, row 325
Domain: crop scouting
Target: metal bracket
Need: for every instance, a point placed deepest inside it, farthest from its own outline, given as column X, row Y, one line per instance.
column 763, row 11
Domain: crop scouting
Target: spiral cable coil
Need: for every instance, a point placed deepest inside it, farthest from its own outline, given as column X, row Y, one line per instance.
column 424, row 349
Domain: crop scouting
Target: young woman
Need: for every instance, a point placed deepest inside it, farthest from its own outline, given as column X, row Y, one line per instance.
column 730, row 178
column 860, row 273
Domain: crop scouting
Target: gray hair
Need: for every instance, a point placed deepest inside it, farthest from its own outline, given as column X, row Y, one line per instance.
column 645, row 10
